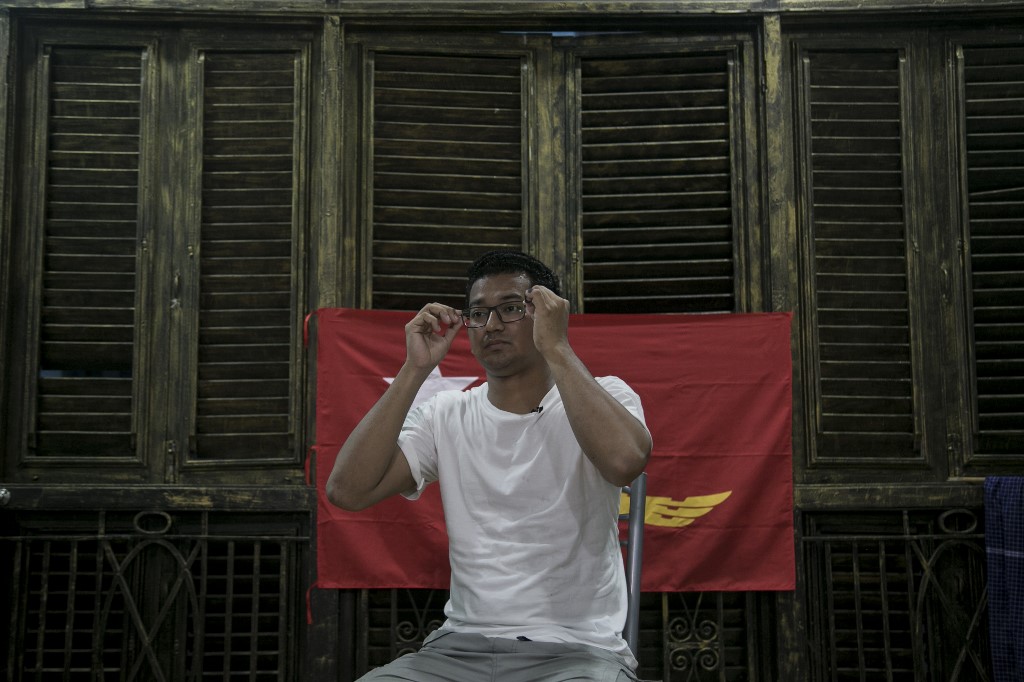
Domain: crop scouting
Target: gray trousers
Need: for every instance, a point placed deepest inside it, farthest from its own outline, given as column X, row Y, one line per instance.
column 458, row 657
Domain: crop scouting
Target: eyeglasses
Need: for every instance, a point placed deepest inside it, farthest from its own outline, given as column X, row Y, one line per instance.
column 506, row 312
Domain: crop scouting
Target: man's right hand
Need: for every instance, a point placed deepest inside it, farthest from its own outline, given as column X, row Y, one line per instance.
column 430, row 334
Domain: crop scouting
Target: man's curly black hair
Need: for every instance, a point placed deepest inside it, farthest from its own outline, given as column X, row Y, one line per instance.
column 511, row 262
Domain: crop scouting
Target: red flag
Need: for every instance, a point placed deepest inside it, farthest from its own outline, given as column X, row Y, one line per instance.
column 717, row 395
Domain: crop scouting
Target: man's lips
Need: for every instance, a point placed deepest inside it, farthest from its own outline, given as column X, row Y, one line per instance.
column 492, row 343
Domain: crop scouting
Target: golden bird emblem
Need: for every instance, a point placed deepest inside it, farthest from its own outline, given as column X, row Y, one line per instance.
column 664, row 511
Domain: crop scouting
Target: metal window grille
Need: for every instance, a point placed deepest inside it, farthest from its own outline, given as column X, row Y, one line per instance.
column 897, row 596
column 155, row 596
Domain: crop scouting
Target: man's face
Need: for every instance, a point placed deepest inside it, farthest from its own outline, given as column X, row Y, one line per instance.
column 503, row 348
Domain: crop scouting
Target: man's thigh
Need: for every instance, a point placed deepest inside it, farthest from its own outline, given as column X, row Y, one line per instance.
column 429, row 666
column 471, row 658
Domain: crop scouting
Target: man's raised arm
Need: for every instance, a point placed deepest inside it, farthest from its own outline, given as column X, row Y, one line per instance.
column 370, row 466
column 611, row 437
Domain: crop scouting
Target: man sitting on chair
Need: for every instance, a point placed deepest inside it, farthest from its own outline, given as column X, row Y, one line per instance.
column 530, row 465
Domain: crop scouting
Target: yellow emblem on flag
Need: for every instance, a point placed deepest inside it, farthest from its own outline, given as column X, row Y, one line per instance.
column 664, row 511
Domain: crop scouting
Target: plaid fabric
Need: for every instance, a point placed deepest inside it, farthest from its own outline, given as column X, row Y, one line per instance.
column 1004, row 542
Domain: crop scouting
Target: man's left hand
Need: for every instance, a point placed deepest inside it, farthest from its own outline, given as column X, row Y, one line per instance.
column 550, row 315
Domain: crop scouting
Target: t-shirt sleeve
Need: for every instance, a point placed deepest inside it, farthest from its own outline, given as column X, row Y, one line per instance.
column 626, row 396
column 419, row 445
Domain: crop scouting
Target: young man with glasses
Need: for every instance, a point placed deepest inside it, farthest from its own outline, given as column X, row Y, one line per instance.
column 530, row 466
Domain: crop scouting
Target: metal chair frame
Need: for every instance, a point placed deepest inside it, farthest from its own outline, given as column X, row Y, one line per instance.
column 634, row 544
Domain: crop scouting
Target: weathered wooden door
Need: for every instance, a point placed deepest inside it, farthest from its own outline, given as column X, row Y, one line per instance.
column 157, row 521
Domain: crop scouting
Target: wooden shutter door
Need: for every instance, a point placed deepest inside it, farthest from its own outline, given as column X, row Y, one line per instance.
column 661, row 151
column 82, row 248
column 159, row 241
column 250, row 249
column 992, row 121
column 87, row 340
column 446, row 152
column 875, row 244
column 856, row 237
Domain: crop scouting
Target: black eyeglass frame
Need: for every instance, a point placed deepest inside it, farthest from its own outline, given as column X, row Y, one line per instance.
column 492, row 309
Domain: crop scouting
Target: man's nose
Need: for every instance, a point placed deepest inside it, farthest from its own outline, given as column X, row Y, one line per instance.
column 494, row 320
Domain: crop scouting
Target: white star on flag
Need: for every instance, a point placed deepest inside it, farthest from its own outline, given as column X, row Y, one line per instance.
column 436, row 383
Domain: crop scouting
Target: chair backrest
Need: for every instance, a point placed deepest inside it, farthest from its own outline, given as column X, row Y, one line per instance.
column 637, row 491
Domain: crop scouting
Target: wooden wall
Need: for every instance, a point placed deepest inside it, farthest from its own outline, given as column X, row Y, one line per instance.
column 181, row 182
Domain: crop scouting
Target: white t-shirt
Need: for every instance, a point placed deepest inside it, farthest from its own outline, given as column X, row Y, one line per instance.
column 532, row 524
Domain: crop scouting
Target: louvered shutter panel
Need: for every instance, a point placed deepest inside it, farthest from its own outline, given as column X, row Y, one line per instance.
column 248, row 226
column 859, row 254
column 447, row 168
column 656, row 176
column 994, row 144
column 88, row 307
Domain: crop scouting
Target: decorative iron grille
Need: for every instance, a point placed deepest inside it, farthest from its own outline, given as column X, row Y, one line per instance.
column 683, row 637
column 897, row 595
column 154, row 595
column 707, row 637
